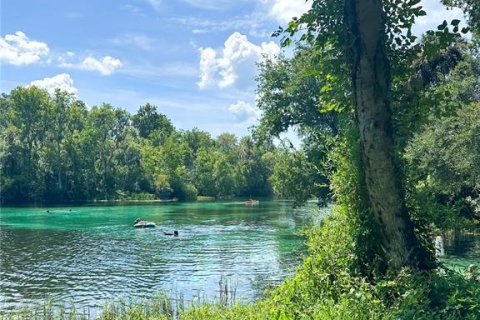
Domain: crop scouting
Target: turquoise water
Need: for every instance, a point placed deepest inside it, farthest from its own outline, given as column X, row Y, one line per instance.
column 461, row 251
column 91, row 254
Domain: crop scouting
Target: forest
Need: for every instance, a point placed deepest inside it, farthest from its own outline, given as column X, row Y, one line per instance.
column 54, row 149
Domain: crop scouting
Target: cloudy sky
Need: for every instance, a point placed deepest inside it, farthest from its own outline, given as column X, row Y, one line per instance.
column 194, row 59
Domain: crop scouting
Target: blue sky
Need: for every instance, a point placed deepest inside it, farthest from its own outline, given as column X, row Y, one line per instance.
column 194, row 59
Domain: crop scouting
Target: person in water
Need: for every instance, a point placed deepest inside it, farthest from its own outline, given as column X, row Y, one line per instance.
column 138, row 220
column 175, row 233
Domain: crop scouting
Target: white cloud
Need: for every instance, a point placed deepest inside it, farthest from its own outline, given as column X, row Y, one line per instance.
column 62, row 81
column 18, row 49
column 202, row 25
column 105, row 66
column 138, row 40
column 215, row 4
column 208, row 67
column 235, row 64
column 62, row 62
column 133, row 9
column 156, row 4
column 244, row 112
column 284, row 10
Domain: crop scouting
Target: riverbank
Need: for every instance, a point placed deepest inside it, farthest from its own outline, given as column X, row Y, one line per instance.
column 87, row 203
column 127, row 201
column 136, row 201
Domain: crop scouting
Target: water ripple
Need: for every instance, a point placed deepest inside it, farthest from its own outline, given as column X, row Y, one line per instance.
column 92, row 254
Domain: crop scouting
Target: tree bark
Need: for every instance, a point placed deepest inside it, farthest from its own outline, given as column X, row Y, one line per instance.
column 371, row 88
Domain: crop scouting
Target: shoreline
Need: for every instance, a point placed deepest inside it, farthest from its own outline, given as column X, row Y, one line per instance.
column 128, row 202
column 87, row 202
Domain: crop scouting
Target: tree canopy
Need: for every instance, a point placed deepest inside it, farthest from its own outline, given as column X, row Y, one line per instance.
column 54, row 149
column 364, row 85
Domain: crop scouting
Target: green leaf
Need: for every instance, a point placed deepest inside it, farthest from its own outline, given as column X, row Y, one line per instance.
column 455, row 22
column 293, row 25
column 286, row 42
column 443, row 25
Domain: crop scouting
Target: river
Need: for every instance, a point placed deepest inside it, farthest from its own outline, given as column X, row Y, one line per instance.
column 91, row 254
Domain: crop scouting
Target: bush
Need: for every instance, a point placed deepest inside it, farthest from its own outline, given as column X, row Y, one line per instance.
column 189, row 192
column 443, row 175
column 327, row 286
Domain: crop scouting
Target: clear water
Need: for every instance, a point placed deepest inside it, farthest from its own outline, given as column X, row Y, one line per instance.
column 461, row 251
column 91, row 254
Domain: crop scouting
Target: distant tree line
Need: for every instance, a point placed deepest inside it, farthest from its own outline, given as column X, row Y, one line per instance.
column 53, row 148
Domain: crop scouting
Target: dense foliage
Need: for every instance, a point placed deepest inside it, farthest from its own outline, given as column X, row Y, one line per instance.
column 291, row 95
column 55, row 149
column 433, row 104
column 426, row 79
column 443, row 169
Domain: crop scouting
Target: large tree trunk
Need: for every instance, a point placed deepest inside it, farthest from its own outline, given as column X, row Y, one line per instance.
column 371, row 86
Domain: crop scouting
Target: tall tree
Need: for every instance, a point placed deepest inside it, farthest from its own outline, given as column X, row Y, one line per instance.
column 61, row 103
column 150, row 123
column 254, row 167
column 293, row 175
column 361, row 37
column 29, row 110
column 443, row 170
column 107, row 128
column 370, row 71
